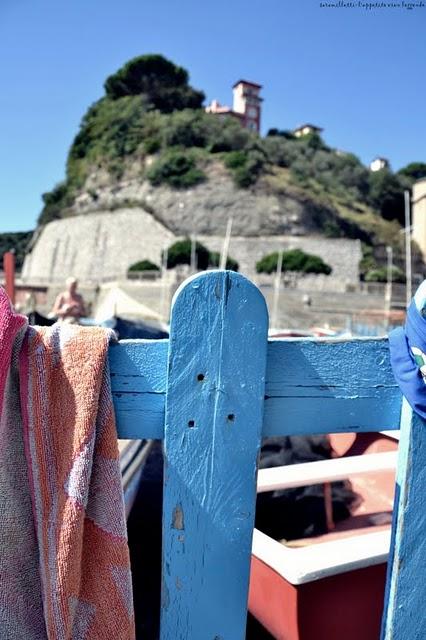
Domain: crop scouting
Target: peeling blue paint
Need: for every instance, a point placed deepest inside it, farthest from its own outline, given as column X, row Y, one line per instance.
column 211, row 476
column 210, row 393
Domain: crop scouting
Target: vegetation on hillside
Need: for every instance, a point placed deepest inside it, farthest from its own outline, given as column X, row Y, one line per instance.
column 17, row 242
column 164, row 85
column 144, row 265
column 176, row 169
column 293, row 260
column 380, row 274
column 371, row 270
column 214, row 261
column 414, row 170
column 150, row 111
column 180, row 253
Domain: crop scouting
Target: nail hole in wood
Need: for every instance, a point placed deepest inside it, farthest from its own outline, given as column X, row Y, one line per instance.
column 200, row 377
column 191, row 423
column 231, row 417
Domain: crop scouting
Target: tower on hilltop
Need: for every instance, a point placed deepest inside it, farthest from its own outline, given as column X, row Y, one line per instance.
column 247, row 105
column 247, row 102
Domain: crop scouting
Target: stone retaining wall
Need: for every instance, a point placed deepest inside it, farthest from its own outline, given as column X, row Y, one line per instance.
column 101, row 247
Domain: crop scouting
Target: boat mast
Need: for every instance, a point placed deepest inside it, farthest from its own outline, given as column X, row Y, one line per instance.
column 277, row 286
column 225, row 248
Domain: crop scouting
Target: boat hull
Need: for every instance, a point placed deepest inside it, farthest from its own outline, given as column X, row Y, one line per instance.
column 331, row 586
column 348, row 605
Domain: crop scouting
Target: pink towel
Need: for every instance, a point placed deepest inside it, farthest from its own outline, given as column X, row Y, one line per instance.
column 73, row 480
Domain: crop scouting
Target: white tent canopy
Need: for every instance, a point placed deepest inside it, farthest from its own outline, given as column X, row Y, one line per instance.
column 113, row 301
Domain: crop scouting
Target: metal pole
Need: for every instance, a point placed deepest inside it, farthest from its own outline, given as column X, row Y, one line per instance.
column 163, row 284
column 225, row 248
column 388, row 290
column 407, row 247
column 193, row 254
column 277, row 286
column 164, row 261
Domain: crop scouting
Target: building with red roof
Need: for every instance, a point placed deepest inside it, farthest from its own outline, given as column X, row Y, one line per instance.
column 246, row 106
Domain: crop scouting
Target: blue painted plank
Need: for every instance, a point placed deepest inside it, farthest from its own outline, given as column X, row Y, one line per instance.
column 330, row 386
column 406, row 587
column 216, row 377
column 348, row 385
column 138, row 370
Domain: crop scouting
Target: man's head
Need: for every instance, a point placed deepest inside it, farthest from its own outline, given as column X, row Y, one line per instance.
column 71, row 284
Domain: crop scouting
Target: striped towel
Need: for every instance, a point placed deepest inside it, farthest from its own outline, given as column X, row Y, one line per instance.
column 64, row 560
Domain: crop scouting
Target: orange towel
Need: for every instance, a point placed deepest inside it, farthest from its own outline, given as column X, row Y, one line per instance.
column 75, row 483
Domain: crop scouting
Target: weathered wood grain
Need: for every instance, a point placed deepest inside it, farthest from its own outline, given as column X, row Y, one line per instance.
column 211, row 392
column 138, row 371
column 405, row 597
column 312, row 386
column 213, row 422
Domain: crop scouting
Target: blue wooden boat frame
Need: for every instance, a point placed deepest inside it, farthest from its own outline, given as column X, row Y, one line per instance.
column 211, row 392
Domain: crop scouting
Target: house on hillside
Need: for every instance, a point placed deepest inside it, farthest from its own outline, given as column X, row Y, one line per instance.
column 379, row 163
column 246, row 106
column 306, row 129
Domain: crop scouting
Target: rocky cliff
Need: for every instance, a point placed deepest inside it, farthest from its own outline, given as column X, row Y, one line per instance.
column 148, row 165
column 205, row 208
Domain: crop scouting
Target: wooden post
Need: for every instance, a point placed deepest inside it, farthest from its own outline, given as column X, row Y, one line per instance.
column 213, row 422
column 9, row 272
column 405, row 595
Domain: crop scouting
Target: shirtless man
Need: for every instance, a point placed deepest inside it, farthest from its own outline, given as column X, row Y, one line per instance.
column 69, row 305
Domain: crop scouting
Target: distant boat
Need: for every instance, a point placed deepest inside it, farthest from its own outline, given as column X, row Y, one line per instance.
column 313, row 332
column 136, row 329
column 37, row 319
column 133, row 455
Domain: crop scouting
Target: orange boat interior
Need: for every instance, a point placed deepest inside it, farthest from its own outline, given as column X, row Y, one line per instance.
column 346, row 605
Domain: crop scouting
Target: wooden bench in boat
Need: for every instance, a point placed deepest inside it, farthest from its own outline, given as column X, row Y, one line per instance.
column 211, row 392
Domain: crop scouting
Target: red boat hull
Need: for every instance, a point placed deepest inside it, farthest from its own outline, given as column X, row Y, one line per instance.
column 338, row 606
column 348, row 605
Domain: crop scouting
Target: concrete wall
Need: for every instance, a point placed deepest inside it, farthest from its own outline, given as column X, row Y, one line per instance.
column 96, row 247
column 101, row 247
column 342, row 255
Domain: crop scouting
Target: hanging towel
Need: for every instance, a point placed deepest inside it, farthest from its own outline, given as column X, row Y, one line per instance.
column 408, row 354
column 81, row 581
column 21, row 607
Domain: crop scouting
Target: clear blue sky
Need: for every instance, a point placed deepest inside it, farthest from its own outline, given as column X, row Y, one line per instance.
column 358, row 73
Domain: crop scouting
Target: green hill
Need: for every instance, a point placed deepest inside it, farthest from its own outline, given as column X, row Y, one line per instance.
column 150, row 126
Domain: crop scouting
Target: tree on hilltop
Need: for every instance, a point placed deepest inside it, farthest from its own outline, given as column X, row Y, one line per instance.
column 165, row 84
column 386, row 193
column 414, row 170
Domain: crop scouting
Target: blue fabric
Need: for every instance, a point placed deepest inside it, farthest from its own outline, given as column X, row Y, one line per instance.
column 408, row 359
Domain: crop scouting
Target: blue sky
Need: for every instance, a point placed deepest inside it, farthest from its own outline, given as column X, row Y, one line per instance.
column 357, row 72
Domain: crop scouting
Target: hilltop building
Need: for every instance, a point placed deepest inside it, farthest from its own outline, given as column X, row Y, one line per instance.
column 379, row 163
column 246, row 106
column 306, row 129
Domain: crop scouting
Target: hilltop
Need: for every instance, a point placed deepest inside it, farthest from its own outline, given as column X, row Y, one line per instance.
column 149, row 144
